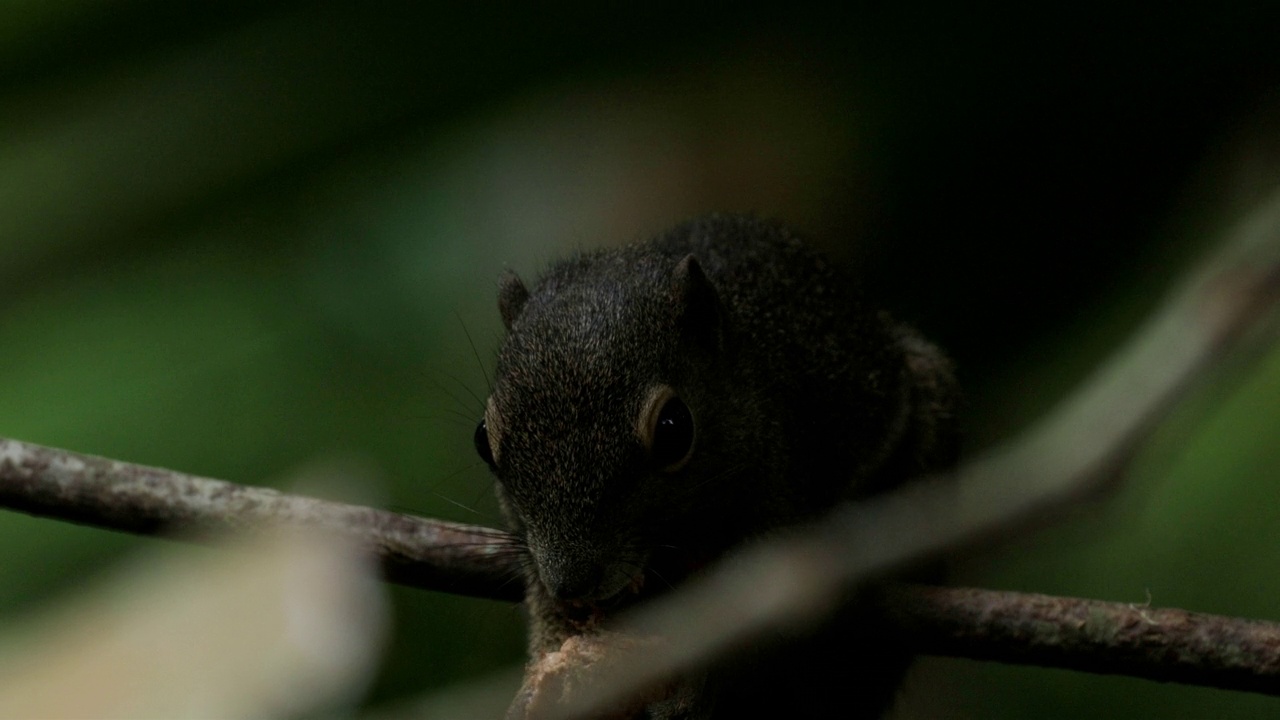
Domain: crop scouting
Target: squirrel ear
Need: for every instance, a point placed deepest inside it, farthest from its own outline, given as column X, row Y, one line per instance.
column 697, row 306
column 512, row 295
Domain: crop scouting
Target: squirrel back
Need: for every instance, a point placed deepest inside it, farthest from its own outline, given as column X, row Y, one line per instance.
column 658, row 404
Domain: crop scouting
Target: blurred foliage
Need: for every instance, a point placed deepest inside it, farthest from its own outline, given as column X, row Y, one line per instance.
column 235, row 237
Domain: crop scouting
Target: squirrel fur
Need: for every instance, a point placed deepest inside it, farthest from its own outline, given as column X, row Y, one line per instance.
column 659, row 404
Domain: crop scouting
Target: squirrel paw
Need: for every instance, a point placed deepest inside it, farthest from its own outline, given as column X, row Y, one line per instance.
column 559, row 678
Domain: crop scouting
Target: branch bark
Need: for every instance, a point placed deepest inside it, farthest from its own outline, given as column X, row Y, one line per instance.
column 90, row 490
column 1161, row 644
column 1088, row 635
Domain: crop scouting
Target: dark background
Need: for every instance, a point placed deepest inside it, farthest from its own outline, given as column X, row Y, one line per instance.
column 236, row 237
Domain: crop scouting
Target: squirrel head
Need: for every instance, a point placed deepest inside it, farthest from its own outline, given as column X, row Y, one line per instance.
column 597, row 414
column 643, row 420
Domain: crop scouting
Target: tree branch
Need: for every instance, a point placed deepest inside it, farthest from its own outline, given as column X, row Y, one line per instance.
column 432, row 554
column 1165, row 645
column 1088, row 635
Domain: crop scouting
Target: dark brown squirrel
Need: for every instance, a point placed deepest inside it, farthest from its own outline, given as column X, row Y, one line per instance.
column 656, row 405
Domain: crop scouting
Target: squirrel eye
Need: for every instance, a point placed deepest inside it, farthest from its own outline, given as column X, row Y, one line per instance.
column 481, row 439
column 672, row 435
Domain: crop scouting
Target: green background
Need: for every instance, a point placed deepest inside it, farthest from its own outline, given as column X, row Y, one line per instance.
column 239, row 237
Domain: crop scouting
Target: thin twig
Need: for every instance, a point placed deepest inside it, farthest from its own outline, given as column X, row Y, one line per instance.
column 1087, row 635
column 1159, row 644
column 451, row 557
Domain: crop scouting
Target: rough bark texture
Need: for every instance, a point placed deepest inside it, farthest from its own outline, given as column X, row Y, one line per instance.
column 1088, row 635
column 1159, row 644
column 90, row 490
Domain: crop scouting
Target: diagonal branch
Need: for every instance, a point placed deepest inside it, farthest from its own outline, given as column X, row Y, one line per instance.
column 1231, row 303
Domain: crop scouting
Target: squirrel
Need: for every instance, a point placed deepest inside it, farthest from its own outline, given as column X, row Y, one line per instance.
column 657, row 405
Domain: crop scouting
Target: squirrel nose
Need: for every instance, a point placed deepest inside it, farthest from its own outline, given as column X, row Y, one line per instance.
column 572, row 581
